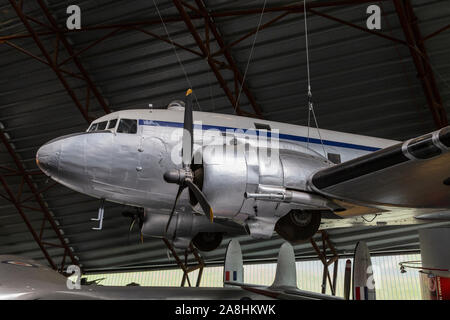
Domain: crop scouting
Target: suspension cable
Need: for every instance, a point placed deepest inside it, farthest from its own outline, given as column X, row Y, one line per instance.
column 310, row 101
column 176, row 54
column 250, row 56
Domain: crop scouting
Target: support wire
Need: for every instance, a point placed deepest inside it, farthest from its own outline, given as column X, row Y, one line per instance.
column 310, row 101
column 176, row 54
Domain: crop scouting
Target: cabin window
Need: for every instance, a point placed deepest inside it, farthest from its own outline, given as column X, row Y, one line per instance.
column 102, row 125
column 112, row 124
column 127, row 126
column 334, row 157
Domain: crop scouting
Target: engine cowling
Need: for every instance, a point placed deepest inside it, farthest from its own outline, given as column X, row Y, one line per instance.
column 226, row 179
column 186, row 227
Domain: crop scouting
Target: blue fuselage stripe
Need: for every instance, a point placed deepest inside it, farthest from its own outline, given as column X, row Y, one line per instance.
column 255, row 131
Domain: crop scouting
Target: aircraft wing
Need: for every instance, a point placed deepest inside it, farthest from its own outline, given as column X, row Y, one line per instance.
column 25, row 279
column 412, row 174
column 286, row 293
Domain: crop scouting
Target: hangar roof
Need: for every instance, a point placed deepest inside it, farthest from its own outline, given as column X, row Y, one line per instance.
column 361, row 82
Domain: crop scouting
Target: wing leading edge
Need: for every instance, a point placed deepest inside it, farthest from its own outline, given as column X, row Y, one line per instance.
column 412, row 174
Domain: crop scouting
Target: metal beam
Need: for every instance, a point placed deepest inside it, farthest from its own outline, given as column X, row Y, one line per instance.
column 49, row 59
column 324, row 15
column 262, row 27
column 26, row 178
column 297, row 8
column 322, row 255
column 229, row 58
column 168, row 19
column 28, row 224
column 420, row 58
column 31, row 55
column 187, row 20
column 75, row 59
column 42, row 207
column 435, row 33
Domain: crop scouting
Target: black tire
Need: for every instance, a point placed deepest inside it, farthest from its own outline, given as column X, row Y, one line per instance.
column 298, row 226
column 207, row 241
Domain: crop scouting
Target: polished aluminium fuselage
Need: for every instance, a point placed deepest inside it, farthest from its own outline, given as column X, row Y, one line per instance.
column 129, row 168
column 25, row 279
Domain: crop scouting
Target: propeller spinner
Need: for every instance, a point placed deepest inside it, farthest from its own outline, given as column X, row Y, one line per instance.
column 184, row 177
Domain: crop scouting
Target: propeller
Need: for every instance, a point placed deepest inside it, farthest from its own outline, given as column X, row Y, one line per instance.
column 184, row 177
column 136, row 217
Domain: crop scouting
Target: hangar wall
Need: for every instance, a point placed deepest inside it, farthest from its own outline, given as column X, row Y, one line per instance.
column 391, row 284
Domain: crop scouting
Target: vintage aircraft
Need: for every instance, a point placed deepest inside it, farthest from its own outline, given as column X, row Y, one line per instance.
column 249, row 175
column 25, row 279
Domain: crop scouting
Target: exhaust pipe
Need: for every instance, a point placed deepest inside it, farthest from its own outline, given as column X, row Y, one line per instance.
column 270, row 193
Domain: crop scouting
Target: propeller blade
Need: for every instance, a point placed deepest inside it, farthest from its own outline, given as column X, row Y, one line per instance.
column 129, row 230
column 136, row 218
column 180, row 189
column 188, row 132
column 132, row 225
column 201, row 199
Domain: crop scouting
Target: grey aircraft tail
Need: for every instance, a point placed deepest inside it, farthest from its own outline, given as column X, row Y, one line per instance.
column 286, row 274
column 285, row 284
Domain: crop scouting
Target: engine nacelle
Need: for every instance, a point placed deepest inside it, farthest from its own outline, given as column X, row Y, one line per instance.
column 185, row 227
column 224, row 180
column 229, row 172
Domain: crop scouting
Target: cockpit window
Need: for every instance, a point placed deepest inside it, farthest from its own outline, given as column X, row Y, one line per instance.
column 127, row 126
column 102, row 125
column 93, row 127
column 112, row 124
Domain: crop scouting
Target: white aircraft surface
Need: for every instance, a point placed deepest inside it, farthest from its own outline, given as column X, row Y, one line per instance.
column 249, row 175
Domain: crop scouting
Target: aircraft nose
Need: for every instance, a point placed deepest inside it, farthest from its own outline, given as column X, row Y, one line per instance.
column 47, row 157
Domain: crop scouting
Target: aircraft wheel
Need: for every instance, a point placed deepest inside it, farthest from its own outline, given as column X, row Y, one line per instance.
column 298, row 225
column 207, row 241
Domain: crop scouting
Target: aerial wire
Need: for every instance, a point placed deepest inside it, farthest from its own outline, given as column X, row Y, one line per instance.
column 176, row 54
column 310, row 101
